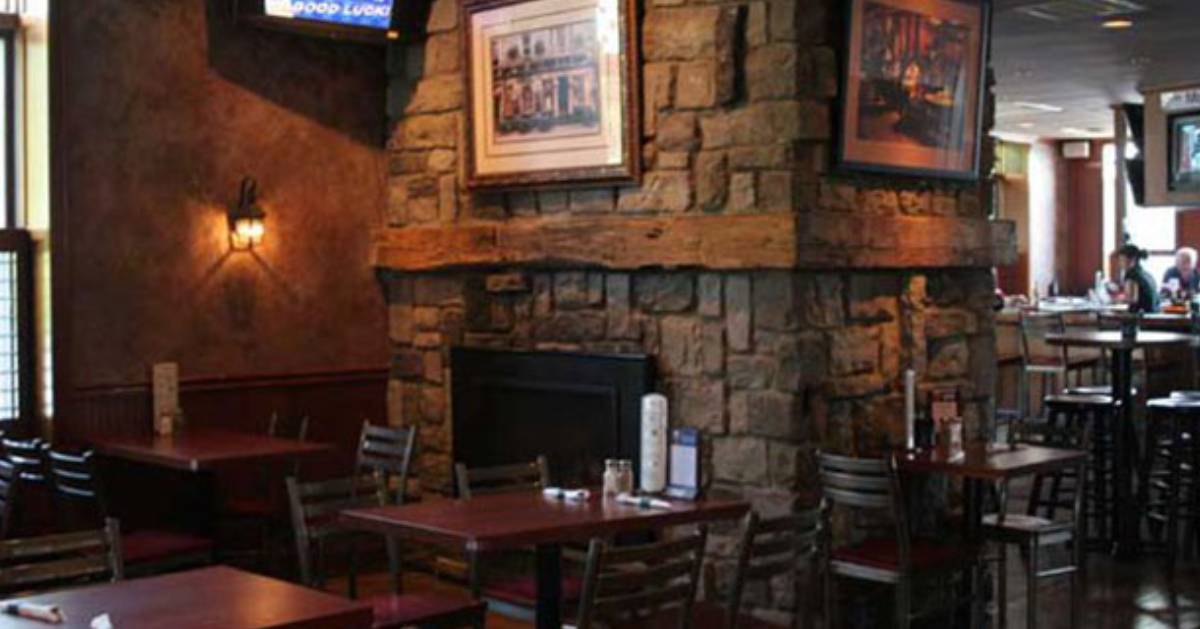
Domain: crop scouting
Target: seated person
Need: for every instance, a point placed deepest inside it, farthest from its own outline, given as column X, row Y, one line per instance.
column 1140, row 292
column 1183, row 272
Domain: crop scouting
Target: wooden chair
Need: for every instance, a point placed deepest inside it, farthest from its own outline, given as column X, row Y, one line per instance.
column 650, row 585
column 79, row 493
column 65, row 559
column 10, row 488
column 512, row 596
column 501, row 478
column 386, row 452
column 314, row 510
column 1032, row 533
column 265, row 509
column 29, row 457
column 770, row 548
column 895, row 558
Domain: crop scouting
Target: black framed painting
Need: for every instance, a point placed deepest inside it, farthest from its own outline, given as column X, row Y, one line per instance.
column 1185, row 152
column 913, row 87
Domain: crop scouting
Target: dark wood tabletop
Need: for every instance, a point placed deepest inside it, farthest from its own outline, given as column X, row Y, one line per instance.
column 517, row 519
column 990, row 461
column 195, row 449
column 1112, row 339
column 207, row 598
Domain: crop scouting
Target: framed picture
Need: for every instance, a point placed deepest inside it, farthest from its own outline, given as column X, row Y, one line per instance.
column 1185, row 152
column 913, row 86
column 552, row 92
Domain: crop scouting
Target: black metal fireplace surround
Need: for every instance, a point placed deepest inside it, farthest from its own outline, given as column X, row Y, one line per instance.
column 577, row 409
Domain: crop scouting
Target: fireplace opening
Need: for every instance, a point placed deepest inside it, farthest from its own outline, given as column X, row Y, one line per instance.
column 576, row 409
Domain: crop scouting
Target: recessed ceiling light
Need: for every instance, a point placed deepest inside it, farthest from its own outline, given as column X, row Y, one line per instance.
column 1074, row 131
column 1026, row 125
column 1117, row 23
column 1053, row 109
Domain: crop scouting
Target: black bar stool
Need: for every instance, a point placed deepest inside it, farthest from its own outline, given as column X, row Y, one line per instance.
column 1051, row 492
column 1170, row 474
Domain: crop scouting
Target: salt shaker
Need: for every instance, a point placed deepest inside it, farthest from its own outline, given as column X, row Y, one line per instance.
column 612, row 477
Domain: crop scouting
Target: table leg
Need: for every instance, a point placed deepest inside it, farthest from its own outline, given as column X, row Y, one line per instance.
column 549, row 586
column 1125, row 523
column 973, row 529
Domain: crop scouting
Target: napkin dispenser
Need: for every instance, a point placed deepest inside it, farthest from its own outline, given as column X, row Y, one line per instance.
column 654, row 443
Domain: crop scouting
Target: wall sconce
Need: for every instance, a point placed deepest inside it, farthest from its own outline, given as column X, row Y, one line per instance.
column 246, row 227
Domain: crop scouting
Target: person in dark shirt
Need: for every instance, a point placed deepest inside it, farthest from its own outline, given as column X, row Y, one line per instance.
column 1184, row 272
column 1140, row 291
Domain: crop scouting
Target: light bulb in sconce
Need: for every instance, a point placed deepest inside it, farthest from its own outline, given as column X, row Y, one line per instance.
column 247, row 220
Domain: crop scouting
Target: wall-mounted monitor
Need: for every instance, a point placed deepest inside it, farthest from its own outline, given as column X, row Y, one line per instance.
column 372, row 21
column 1184, row 143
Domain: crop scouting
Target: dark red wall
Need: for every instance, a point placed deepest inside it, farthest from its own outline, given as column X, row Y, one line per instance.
column 161, row 108
column 1084, row 208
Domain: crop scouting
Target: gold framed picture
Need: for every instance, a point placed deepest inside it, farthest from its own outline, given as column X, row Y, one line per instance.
column 552, row 92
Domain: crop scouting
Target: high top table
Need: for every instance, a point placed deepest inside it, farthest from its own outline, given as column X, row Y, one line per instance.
column 514, row 520
column 1125, row 515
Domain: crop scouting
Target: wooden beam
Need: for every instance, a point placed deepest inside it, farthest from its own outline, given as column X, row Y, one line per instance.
column 824, row 240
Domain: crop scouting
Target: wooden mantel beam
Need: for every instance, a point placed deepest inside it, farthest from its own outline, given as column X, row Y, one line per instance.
column 821, row 240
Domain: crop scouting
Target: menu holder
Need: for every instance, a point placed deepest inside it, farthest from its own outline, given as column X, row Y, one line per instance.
column 165, row 380
column 684, row 477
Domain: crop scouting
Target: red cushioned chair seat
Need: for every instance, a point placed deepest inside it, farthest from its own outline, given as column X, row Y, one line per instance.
column 400, row 610
column 523, row 590
column 153, row 545
column 885, row 554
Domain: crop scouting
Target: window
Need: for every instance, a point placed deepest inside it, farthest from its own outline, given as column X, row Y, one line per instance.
column 1151, row 228
column 17, row 380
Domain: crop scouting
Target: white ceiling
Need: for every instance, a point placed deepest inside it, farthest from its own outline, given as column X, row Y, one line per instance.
column 1083, row 68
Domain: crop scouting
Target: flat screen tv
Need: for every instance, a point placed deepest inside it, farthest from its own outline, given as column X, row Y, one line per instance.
column 373, row 21
column 1185, row 152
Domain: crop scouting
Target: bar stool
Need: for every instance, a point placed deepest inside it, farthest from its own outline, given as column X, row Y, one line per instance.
column 1068, row 414
column 1170, row 478
column 1053, row 365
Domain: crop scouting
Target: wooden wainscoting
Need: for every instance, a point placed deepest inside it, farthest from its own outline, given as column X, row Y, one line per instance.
column 335, row 402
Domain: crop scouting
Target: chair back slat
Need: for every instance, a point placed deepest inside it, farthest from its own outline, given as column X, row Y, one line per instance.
column 29, row 455
column 772, row 547
column 386, row 452
column 76, row 485
column 314, row 507
column 500, row 479
column 865, row 485
column 10, row 490
column 1034, row 327
column 627, row 584
column 57, row 560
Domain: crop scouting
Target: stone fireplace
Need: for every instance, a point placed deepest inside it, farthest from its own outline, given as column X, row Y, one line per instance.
column 780, row 300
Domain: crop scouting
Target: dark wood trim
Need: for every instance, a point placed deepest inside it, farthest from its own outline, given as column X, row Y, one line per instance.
column 9, row 37
column 816, row 240
column 229, row 383
column 60, row 244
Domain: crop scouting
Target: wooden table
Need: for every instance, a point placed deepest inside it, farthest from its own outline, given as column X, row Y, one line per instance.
column 207, row 598
column 1126, row 518
column 983, row 463
column 521, row 519
column 198, row 449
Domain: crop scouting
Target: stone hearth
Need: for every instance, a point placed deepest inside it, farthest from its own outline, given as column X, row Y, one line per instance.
column 782, row 300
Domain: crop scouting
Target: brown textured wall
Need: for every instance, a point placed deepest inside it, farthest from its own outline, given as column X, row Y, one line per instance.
column 164, row 106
